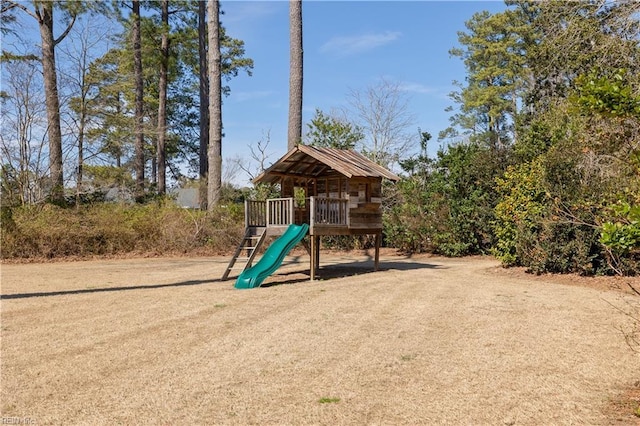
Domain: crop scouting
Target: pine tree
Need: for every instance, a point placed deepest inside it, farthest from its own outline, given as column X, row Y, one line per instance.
column 295, row 74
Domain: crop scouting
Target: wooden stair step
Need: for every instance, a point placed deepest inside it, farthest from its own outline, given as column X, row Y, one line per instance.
column 255, row 241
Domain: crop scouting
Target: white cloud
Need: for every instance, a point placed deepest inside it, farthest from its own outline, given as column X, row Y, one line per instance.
column 417, row 88
column 349, row 45
column 250, row 96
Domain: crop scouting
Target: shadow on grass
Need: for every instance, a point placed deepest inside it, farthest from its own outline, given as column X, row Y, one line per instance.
column 326, row 272
column 104, row 289
column 343, row 270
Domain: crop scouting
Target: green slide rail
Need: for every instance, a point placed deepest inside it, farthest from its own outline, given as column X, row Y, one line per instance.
column 272, row 258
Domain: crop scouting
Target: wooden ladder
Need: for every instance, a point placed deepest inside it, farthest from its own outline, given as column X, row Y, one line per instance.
column 253, row 239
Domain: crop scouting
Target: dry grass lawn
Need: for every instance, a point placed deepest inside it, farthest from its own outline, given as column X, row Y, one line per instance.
column 424, row 341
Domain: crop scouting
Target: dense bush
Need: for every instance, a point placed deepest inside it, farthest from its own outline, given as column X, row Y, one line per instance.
column 621, row 237
column 548, row 215
column 562, row 247
column 520, row 212
column 49, row 231
column 446, row 205
column 407, row 224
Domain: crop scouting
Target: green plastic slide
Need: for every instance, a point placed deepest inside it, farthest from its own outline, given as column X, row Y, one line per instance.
column 272, row 258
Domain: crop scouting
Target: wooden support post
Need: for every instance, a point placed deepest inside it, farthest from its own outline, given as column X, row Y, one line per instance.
column 314, row 262
column 377, row 258
column 246, row 214
column 312, row 213
column 312, row 257
column 317, row 262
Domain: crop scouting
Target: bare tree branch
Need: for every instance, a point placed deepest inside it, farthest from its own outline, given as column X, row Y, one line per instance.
column 64, row 34
column 259, row 155
column 382, row 111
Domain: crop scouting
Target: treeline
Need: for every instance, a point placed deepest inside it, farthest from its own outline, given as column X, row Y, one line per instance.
column 542, row 167
column 114, row 97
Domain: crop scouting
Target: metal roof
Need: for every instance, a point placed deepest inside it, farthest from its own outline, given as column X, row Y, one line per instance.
column 305, row 161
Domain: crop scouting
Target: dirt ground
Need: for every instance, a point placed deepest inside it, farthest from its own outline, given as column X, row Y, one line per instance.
column 425, row 340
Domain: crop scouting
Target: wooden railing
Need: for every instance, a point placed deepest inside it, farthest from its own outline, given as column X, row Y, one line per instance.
column 279, row 211
column 329, row 211
column 255, row 213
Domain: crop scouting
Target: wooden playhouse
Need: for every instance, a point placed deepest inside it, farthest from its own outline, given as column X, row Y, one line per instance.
column 334, row 191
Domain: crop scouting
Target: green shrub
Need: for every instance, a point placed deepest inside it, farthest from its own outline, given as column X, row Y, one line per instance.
column 518, row 214
column 407, row 225
column 561, row 247
column 620, row 235
column 543, row 233
column 446, row 205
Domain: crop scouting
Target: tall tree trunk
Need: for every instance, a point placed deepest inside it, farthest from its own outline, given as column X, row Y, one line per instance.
column 81, row 129
column 204, row 102
column 137, row 71
column 44, row 12
column 295, row 74
column 83, row 69
column 154, row 169
column 162, row 99
column 118, row 149
column 23, row 176
column 214, row 180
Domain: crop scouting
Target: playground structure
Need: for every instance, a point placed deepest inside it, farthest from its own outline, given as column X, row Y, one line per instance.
column 333, row 191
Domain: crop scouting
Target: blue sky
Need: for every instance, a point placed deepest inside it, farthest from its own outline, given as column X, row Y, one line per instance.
column 347, row 46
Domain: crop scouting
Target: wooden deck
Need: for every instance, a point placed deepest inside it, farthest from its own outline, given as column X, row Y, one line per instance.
column 325, row 216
